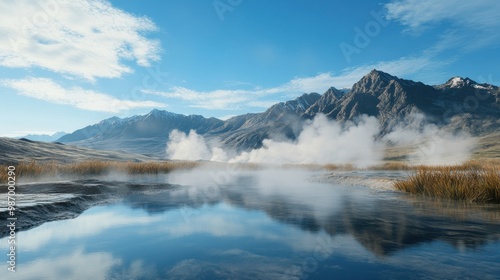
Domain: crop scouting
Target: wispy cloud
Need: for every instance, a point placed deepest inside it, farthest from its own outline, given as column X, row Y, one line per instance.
column 88, row 39
column 87, row 225
column 419, row 14
column 48, row 90
column 227, row 99
column 73, row 265
column 469, row 25
column 217, row 99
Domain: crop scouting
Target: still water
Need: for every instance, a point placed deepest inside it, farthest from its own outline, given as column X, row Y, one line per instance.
column 250, row 224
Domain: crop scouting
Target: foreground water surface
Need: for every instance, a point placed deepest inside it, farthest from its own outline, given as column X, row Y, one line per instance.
column 246, row 224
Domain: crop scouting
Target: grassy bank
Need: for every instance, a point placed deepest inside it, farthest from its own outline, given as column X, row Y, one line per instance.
column 33, row 169
column 471, row 183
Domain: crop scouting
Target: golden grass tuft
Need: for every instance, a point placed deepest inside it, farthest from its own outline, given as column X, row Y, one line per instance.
column 155, row 167
column 33, row 169
column 468, row 165
column 469, row 183
column 343, row 167
column 392, row 165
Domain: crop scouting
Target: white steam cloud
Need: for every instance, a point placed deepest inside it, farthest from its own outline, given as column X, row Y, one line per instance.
column 434, row 146
column 323, row 141
column 192, row 147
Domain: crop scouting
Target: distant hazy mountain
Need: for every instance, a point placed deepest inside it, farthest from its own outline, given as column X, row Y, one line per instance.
column 44, row 137
column 145, row 134
column 459, row 104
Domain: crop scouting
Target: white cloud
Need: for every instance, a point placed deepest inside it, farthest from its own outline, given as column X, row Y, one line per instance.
column 76, row 264
column 48, row 90
column 226, row 117
column 418, row 14
column 88, row 39
column 217, row 99
column 263, row 103
column 71, row 266
column 466, row 25
column 84, row 226
column 222, row 222
column 227, row 99
column 401, row 67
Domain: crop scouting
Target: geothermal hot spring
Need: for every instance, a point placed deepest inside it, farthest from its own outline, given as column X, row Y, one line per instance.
column 241, row 223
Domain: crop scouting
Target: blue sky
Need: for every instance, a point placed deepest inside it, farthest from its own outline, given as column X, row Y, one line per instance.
column 67, row 64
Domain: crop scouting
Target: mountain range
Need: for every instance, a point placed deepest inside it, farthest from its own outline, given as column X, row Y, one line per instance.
column 44, row 137
column 460, row 104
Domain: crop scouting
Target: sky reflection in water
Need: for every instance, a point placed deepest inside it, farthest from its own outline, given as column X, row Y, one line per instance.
column 263, row 225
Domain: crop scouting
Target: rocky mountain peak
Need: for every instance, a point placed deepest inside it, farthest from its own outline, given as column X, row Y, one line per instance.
column 332, row 91
column 377, row 74
column 159, row 114
column 373, row 82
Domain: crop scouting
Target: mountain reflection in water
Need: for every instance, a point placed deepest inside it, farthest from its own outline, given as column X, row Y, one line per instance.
column 266, row 224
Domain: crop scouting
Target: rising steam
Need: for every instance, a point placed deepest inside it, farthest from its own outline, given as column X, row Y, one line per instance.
column 325, row 141
column 321, row 141
column 192, row 147
column 434, row 146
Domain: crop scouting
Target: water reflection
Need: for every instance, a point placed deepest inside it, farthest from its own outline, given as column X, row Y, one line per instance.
column 384, row 222
column 274, row 224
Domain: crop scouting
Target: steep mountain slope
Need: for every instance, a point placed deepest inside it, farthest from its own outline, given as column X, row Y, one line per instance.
column 386, row 97
column 325, row 104
column 459, row 104
column 282, row 120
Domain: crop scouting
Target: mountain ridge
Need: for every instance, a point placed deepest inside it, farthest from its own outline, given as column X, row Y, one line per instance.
column 460, row 104
column 44, row 137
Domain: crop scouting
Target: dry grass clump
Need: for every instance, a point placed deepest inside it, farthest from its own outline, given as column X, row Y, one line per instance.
column 155, row 167
column 469, row 183
column 35, row 169
column 86, row 168
column 392, row 165
column 468, row 165
column 346, row 167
